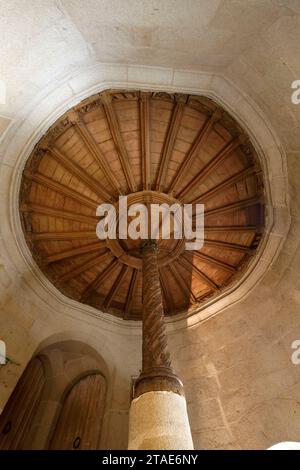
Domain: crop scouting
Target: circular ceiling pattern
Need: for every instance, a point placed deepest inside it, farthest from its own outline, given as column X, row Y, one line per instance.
column 152, row 147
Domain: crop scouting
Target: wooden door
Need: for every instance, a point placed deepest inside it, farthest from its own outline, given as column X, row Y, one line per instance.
column 80, row 421
column 17, row 417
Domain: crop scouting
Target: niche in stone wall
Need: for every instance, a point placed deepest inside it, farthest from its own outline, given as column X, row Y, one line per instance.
column 59, row 401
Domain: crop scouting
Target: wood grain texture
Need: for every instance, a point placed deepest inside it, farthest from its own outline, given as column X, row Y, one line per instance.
column 17, row 418
column 145, row 145
column 79, row 424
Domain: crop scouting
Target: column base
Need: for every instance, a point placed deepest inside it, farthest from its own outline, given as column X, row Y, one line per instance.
column 158, row 421
column 158, row 379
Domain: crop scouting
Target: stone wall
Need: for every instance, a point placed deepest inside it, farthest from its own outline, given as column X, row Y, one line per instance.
column 28, row 327
column 241, row 387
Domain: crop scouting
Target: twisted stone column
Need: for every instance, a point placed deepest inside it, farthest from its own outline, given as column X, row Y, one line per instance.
column 158, row 416
column 157, row 373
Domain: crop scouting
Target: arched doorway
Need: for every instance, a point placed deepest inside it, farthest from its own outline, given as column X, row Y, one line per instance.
column 59, row 401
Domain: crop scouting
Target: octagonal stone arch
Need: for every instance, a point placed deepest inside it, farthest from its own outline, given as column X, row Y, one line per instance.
column 81, row 360
column 66, row 362
column 22, row 137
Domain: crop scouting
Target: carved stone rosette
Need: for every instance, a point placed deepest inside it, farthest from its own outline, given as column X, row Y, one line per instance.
column 157, row 373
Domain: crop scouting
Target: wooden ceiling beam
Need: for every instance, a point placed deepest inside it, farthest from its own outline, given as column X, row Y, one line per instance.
column 81, row 250
column 169, row 143
column 59, row 213
column 114, row 128
column 61, row 189
column 214, row 163
column 61, row 235
column 234, row 179
column 194, row 271
column 230, row 228
column 233, row 206
column 211, row 260
column 194, row 150
column 118, row 281
column 95, row 151
column 84, row 267
column 99, row 279
column 228, row 246
column 145, row 121
column 185, row 288
column 80, row 174
column 130, row 294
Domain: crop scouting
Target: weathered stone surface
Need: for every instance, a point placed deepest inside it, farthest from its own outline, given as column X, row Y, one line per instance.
column 158, row 420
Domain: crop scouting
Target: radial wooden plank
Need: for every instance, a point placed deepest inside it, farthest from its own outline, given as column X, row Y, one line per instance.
column 99, row 279
column 61, row 189
column 59, row 213
column 61, row 235
column 233, row 206
column 228, row 246
column 75, row 252
column 84, row 267
column 194, row 150
column 145, row 139
column 131, row 293
column 118, row 281
column 230, row 228
column 118, row 140
column 194, row 271
column 183, row 285
column 211, row 260
column 169, row 142
column 94, row 149
column 80, row 173
column 211, row 166
column 232, row 180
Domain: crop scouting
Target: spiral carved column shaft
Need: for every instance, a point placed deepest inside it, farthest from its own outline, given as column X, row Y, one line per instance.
column 157, row 373
column 155, row 348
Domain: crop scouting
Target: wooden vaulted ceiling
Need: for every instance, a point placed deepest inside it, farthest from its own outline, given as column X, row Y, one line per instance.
column 142, row 144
